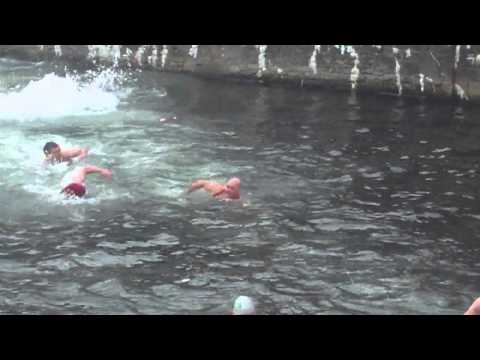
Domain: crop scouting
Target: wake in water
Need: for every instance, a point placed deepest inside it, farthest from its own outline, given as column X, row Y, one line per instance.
column 108, row 112
column 42, row 103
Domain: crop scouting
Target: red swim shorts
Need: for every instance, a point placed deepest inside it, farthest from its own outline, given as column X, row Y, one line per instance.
column 75, row 189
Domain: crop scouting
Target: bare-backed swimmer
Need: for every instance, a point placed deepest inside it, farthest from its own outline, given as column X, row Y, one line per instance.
column 73, row 183
column 55, row 154
column 229, row 191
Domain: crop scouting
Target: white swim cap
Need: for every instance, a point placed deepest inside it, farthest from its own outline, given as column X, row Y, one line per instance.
column 243, row 306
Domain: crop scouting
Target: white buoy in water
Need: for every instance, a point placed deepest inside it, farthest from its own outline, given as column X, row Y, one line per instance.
column 243, row 306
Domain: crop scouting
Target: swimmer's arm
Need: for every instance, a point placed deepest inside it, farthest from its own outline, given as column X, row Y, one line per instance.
column 83, row 153
column 218, row 193
column 75, row 152
column 196, row 185
column 91, row 169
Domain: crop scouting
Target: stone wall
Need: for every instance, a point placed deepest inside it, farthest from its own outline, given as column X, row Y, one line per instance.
column 439, row 71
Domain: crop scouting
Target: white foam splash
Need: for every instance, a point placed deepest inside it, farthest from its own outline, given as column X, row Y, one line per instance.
column 313, row 58
column 262, row 60
column 349, row 49
column 398, row 77
column 457, row 55
column 93, row 51
column 50, row 193
column 460, row 92
column 105, row 52
column 458, row 89
column 193, row 52
column 139, row 54
column 408, row 53
column 153, row 59
column 116, row 54
column 164, row 55
column 471, row 58
column 355, row 72
column 422, row 82
column 55, row 97
column 341, row 48
column 58, row 50
column 128, row 56
column 108, row 79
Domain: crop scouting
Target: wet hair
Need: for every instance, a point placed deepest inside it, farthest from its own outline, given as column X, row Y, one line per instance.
column 49, row 146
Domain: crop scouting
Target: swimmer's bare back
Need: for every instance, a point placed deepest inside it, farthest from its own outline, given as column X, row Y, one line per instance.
column 229, row 191
column 209, row 186
column 80, row 173
column 74, row 182
column 76, row 152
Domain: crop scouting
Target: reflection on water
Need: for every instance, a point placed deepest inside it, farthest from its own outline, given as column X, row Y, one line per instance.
column 351, row 204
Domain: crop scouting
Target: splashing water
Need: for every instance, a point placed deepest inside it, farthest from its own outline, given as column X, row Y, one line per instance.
column 23, row 170
column 313, row 59
column 310, row 199
column 54, row 96
column 51, row 100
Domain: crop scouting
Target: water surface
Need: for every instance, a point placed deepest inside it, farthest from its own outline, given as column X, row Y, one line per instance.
column 351, row 205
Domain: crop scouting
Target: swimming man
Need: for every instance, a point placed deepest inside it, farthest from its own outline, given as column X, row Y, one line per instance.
column 229, row 191
column 55, row 154
column 73, row 183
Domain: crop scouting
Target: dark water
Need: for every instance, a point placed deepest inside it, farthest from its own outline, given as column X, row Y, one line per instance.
column 363, row 205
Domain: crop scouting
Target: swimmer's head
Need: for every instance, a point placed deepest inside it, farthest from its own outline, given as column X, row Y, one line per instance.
column 74, row 190
column 243, row 306
column 234, row 184
column 51, row 148
column 232, row 189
